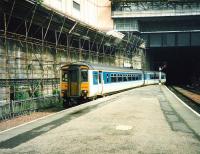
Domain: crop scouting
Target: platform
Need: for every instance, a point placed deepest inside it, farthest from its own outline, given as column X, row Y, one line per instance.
column 142, row 120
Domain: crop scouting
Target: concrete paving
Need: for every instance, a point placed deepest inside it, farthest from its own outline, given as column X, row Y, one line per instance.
column 142, row 120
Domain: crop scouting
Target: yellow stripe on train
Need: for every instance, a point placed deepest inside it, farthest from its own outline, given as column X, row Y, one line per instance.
column 85, row 86
column 64, row 86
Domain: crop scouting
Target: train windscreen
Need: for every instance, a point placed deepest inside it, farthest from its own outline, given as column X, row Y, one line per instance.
column 84, row 75
column 65, row 76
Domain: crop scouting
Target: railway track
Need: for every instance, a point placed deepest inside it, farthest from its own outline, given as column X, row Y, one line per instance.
column 191, row 98
column 192, row 89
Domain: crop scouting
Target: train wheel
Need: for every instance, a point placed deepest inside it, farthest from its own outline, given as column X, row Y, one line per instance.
column 94, row 98
column 65, row 104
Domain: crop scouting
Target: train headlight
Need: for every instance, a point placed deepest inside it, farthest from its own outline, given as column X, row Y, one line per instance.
column 63, row 94
column 84, row 93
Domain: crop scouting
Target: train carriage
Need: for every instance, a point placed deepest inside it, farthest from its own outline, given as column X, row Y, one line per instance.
column 151, row 77
column 83, row 80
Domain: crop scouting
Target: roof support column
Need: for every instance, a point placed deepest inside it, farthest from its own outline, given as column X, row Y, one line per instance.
column 48, row 26
column 6, row 47
column 94, row 41
column 68, row 48
column 110, row 55
column 97, row 53
column 10, row 14
column 80, row 50
column 89, row 51
column 103, row 57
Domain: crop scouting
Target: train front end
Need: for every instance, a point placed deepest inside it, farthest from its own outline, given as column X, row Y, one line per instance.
column 74, row 84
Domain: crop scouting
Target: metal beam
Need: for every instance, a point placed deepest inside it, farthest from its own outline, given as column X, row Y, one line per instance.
column 48, row 26
column 10, row 14
column 73, row 27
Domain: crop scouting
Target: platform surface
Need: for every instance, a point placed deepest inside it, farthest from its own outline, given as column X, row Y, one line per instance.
column 142, row 120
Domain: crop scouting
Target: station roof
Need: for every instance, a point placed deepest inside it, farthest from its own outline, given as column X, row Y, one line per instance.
column 38, row 17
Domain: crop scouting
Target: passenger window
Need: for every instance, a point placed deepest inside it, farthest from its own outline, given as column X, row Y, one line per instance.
column 113, row 78
column 124, row 77
column 140, row 77
column 84, row 75
column 136, row 77
column 132, row 77
column 129, row 77
column 119, row 77
column 95, row 78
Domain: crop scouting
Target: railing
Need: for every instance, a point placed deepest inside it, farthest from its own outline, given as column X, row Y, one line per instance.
column 16, row 108
column 155, row 13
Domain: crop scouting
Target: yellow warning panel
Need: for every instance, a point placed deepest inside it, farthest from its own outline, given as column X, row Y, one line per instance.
column 64, row 85
column 85, row 86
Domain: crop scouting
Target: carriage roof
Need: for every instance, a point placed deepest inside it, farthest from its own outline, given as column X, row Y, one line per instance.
column 102, row 67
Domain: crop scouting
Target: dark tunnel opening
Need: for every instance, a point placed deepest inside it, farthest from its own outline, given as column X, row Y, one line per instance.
column 182, row 64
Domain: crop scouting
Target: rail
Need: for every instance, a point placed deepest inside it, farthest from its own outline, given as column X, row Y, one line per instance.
column 186, row 97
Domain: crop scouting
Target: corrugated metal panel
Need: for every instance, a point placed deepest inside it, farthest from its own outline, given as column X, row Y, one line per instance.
column 169, row 40
column 195, row 39
column 183, row 39
column 155, row 40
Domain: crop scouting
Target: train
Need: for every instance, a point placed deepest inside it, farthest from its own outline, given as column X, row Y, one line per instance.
column 81, row 80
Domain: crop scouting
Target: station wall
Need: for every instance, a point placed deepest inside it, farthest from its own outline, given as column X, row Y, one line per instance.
column 28, row 70
column 96, row 13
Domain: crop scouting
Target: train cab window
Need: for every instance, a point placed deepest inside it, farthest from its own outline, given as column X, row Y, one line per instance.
column 84, row 75
column 73, row 75
column 95, row 78
column 65, row 76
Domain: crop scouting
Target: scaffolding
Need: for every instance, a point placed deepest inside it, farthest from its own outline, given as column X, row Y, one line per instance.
column 35, row 42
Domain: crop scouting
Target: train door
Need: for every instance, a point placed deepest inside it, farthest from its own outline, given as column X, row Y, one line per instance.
column 74, row 85
column 100, row 86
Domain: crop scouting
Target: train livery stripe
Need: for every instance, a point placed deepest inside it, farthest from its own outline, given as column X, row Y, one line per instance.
column 84, row 86
column 64, row 85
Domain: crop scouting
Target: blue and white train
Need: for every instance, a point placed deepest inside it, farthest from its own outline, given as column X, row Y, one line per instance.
column 83, row 80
